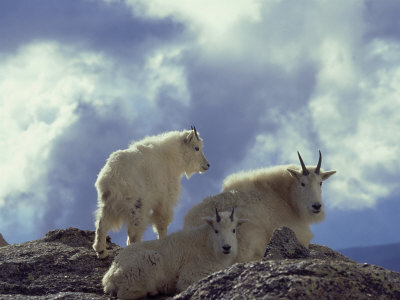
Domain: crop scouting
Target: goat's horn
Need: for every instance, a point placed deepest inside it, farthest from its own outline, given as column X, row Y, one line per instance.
column 217, row 215
column 303, row 166
column 319, row 163
column 195, row 132
column 231, row 216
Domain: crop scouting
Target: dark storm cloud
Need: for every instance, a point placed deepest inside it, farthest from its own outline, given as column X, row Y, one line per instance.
column 382, row 19
column 232, row 104
column 75, row 160
column 93, row 24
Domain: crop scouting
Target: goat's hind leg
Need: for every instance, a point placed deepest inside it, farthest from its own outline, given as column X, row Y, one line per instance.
column 161, row 219
column 135, row 233
column 136, row 228
column 136, row 222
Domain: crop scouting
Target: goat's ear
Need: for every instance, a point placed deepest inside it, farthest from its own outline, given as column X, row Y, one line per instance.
column 241, row 221
column 296, row 174
column 188, row 138
column 327, row 174
column 209, row 221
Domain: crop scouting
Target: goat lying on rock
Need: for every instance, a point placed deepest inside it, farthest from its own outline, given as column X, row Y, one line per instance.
column 171, row 264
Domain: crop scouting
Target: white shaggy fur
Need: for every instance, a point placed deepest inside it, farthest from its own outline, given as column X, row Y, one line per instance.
column 140, row 185
column 171, row 264
column 269, row 198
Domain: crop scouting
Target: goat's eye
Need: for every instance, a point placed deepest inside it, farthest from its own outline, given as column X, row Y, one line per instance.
column 303, row 184
column 196, row 148
column 234, row 230
column 216, row 231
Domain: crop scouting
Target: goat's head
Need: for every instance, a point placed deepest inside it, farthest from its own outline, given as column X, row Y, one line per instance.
column 193, row 153
column 308, row 188
column 223, row 233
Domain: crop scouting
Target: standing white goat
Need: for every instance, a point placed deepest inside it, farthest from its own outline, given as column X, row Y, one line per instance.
column 171, row 264
column 140, row 185
column 270, row 198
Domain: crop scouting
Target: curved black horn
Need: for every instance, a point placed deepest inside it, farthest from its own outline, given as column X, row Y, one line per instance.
column 195, row 132
column 231, row 216
column 303, row 166
column 217, row 215
column 319, row 163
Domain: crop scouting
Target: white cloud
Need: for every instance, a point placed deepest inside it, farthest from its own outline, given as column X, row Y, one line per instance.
column 212, row 19
column 272, row 31
column 40, row 88
column 162, row 69
column 38, row 91
column 362, row 132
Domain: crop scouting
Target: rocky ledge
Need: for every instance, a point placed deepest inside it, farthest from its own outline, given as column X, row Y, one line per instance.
column 63, row 265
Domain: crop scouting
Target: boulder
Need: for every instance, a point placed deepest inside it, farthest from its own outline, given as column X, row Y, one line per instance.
column 62, row 265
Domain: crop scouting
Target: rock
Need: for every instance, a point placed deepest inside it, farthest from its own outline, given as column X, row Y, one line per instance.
column 297, row 279
column 2, row 241
column 290, row 271
column 284, row 244
column 62, row 265
column 323, row 252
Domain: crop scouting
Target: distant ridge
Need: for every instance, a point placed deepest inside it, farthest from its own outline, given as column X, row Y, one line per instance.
column 387, row 256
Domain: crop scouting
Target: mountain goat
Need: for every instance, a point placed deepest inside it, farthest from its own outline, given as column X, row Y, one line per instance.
column 270, row 198
column 140, row 185
column 171, row 264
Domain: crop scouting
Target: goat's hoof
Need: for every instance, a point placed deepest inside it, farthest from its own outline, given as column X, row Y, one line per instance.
column 102, row 254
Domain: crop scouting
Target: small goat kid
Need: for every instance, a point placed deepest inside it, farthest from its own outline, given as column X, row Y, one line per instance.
column 171, row 264
column 140, row 185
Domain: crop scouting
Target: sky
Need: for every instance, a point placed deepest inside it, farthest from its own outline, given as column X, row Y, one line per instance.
column 260, row 80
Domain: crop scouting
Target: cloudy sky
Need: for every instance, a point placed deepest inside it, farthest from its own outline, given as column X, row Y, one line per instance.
column 80, row 79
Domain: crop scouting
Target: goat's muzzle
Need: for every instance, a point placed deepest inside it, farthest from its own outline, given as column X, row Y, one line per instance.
column 226, row 249
column 205, row 167
column 316, row 208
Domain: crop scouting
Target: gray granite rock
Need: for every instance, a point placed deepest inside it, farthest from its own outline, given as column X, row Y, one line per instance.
column 62, row 265
column 297, row 279
column 284, row 244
